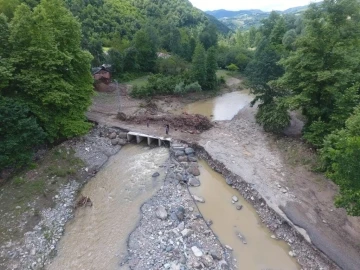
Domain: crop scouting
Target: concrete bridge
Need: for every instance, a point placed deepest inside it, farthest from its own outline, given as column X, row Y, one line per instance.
column 149, row 138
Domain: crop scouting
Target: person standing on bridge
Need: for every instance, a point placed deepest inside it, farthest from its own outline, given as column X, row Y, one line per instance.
column 167, row 128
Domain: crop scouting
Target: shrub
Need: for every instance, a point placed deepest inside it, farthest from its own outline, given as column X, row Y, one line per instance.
column 193, row 87
column 180, row 89
column 273, row 117
column 232, row 67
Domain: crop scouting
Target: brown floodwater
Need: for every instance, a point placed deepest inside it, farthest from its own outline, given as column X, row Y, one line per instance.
column 220, row 108
column 261, row 251
column 96, row 237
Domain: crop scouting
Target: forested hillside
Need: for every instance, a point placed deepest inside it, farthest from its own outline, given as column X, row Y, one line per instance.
column 311, row 64
column 244, row 19
column 45, row 80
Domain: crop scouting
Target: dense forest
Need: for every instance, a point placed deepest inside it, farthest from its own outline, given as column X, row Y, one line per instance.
column 48, row 47
column 308, row 64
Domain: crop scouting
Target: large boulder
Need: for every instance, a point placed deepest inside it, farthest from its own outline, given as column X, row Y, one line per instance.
column 194, row 182
column 112, row 135
column 194, row 170
column 161, row 212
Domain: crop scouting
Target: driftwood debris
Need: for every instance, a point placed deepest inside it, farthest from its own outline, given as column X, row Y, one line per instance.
column 83, row 202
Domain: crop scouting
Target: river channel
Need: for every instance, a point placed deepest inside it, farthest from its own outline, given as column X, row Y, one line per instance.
column 220, row 108
column 261, row 251
column 96, row 237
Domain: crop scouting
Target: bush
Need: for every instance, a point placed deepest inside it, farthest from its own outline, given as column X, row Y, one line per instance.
column 232, row 67
column 19, row 134
column 180, row 89
column 157, row 85
column 193, row 87
column 173, row 65
column 273, row 117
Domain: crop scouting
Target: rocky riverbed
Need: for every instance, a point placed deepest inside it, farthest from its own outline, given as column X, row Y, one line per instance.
column 172, row 233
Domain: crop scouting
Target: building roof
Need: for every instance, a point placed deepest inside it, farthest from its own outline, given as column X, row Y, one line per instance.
column 102, row 67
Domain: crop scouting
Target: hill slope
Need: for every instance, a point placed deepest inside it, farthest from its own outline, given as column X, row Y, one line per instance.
column 244, row 19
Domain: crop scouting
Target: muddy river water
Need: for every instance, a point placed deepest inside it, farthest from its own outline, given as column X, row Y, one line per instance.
column 96, row 238
column 220, row 108
column 261, row 251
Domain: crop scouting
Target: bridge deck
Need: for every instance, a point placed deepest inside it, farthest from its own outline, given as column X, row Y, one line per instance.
column 140, row 137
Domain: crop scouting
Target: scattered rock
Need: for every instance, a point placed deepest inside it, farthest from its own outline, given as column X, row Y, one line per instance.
column 186, row 232
column 207, row 261
column 123, row 136
column 112, row 135
column 180, row 213
column 228, row 247
column 181, row 226
column 284, row 190
column 161, row 212
column 192, row 159
column 197, row 252
column 115, row 141
column 182, row 158
column 175, row 266
column 273, row 237
column 189, row 151
column 235, row 199
column 179, row 153
column 198, row 199
column 239, row 207
column 229, row 181
column 194, row 182
column 209, row 222
column 216, row 255
column 122, row 142
column 194, row 170
column 223, row 265
column 292, row 254
column 156, row 174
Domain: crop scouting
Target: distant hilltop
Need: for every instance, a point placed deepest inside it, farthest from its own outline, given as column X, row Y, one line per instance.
column 244, row 19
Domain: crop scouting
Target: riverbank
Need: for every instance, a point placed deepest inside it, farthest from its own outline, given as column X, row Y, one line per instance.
column 36, row 205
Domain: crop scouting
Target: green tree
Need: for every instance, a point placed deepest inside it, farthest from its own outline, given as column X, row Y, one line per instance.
column 146, row 50
column 116, row 60
column 19, row 134
column 209, row 36
column 341, row 155
column 232, row 67
column 323, row 73
column 198, row 69
column 51, row 72
column 211, row 68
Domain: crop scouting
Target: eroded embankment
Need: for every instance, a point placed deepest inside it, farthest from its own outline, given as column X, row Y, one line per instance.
column 306, row 254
